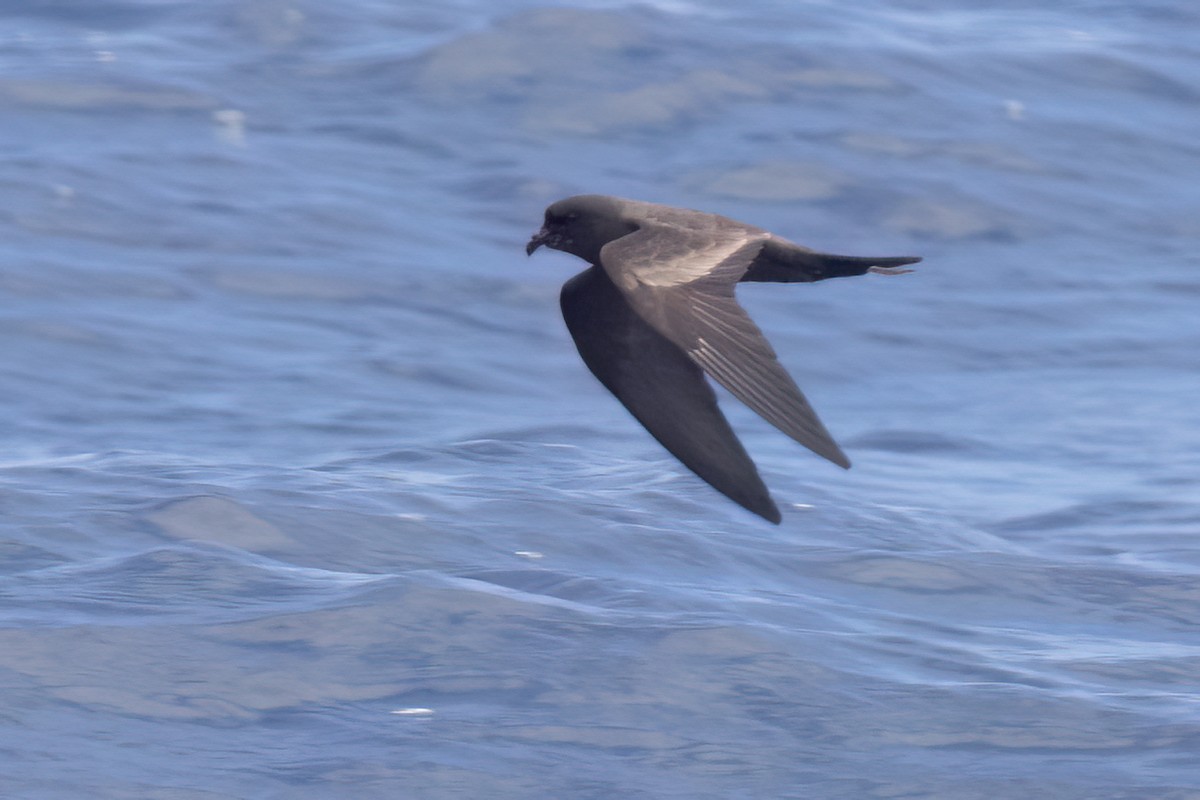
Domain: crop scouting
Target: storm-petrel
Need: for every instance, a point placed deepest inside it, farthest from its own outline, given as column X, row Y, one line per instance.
column 656, row 310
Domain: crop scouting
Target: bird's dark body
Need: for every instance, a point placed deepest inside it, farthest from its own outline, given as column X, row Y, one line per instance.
column 656, row 311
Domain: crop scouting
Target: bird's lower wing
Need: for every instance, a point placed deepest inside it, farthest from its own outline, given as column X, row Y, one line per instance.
column 706, row 321
column 663, row 388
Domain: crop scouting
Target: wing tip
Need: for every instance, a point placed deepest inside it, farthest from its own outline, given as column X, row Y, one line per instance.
column 828, row 450
column 766, row 509
column 755, row 498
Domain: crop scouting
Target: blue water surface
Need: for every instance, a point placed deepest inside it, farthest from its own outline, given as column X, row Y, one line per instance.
column 305, row 493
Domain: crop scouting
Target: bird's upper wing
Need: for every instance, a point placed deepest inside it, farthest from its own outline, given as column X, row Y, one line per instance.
column 672, row 247
column 661, row 387
column 681, row 280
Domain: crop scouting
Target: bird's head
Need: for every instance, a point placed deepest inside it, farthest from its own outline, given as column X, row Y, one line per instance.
column 581, row 225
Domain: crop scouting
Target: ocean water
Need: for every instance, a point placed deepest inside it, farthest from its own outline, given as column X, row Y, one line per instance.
column 304, row 492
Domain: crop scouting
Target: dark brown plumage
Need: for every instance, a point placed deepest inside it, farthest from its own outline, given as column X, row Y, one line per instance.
column 656, row 311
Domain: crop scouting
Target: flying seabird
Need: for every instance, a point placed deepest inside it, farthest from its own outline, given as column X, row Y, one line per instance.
column 655, row 311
